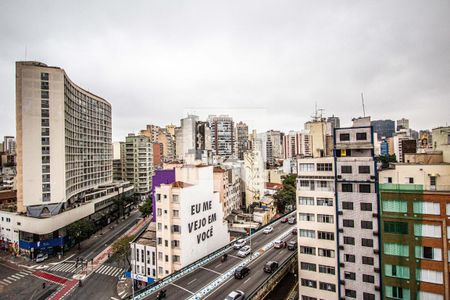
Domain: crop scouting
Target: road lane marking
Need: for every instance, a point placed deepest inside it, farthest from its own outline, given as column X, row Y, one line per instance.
column 175, row 285
column 211, row 270
column 235, row 256
column 7, row 281
column 121, row 293
column 114, row 298
column 195, row 279
column 247, row 280
column 217, row 266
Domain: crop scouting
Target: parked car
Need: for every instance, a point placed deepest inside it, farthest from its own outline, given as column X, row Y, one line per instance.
column 244, row 251
column 279, row 244
column 241, row 272
column 292, row 220
column 239, row 244
column 294, row 231
column 236, row 295
column 292, row 245
column 270, row 266
column 268, row 229
column 41, row 257
column 284, row 220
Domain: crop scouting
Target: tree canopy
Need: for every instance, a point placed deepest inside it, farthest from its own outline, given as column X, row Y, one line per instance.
column 121, row 248
column 146, row 208
column 286, row 196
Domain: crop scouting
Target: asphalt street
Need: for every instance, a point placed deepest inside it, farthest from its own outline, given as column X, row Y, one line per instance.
column 188, row 285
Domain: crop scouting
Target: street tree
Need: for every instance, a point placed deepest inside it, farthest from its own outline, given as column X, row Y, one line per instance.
column 146, row 208
column 121, row 248
column 286, row 195
column 80, row 230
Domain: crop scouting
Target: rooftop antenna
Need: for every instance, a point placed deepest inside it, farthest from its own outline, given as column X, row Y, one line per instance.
column 364, row 109
column 26, row 52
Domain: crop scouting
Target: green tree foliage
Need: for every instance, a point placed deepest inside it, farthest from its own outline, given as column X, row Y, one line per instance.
column 80, row 230
column 121, row 248
column 286, row 196
column 146, row 208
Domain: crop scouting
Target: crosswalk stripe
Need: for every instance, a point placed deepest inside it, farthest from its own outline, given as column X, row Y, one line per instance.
column 24, row 273
column 106, row 270
column 117, row 273
column 20, row 275
column 99, row 270
column 6, row 280
column 4, row 283
column 12, row 278
column 110, row 272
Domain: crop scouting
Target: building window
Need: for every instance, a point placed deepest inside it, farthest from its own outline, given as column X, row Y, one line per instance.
column 396, row 271
column 426, row 230
column 325, row 219
column 175, row 198
column 346, row 169
column 167, row 258
column 348, row 223
column 426, row 208
column 347, row 187
column 307, row 250
column 175, row 244
column 44, row 76
column 364, row 188
column 396, row 249
column 368, row 296
column 308, row 266
column 158, row 197
column 308, row 298
column 159, row 212
column 366, row 260
column 327, row 269
column 325, row 252
column 344, row 137
column 366, row 225
column 397, row 206
column 159, row 241
column 324, row 167
column 368, row 278
column 348, row 240
column 396, row 227
column 176, row 258
column 324, row 202
column 397, row 292
column 347, row 205
column 306, row 217
column 389, row 180
column 159, row 226
column 305, row 200
column 431, row 253
column 44, row 94
column 361, row 136
column 350, row 275
column 327, row 286
column 366, row 206
column 309, row 283
column 367, row 242
column 44, row 85
column 364, row 169
column 325, row 235
column 349, row 258
column 307, row 233
column 306, row 167
column 350, row 293
column 422, row 295
column 46, row 197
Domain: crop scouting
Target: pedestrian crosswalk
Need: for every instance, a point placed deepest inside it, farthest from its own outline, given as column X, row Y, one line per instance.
column 110, row 271
column 66, row 268
column 17, row 276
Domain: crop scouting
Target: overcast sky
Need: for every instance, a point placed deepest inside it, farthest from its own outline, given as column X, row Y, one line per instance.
column 264, row 62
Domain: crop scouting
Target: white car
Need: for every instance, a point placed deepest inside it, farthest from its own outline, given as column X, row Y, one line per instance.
column 41, row 257
column 236, row 295
column 239, row 244
column 268, row 229
column 244, row 251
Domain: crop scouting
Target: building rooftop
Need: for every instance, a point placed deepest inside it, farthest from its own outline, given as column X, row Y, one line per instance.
column 148, row 237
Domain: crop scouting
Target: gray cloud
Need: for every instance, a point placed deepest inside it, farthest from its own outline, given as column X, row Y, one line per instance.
column 266, row 61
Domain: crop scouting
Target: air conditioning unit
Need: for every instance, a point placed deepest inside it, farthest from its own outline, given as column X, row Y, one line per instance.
column 340, row 212
column 376, row 251
column 375, row 233
column 375, row 215
column 341, row 230
column 376, row 270
column 341, row 247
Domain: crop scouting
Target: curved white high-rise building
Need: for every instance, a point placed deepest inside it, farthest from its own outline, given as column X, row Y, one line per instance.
column 63, row 140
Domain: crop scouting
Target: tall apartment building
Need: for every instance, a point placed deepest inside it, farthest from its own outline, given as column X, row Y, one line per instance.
column 164, row 138
column 222, row 135
column 227, row 181
column 441, row 141
column 186, row 136
column 139, row 164
column 63, row 139
column 296, row 144
column 271, row 144
column 317, row 236
column 119, row 161
column 189, row 219
column 402, row 124
column 242, row 139
column 358, row 218
column 415, row 231
column 254, row 176
column 202, row 136
column 318, row 129
column 334, row 122
column 9, row 144
column 384, row 128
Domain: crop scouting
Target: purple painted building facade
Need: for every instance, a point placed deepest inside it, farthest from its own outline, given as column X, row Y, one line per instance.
column 160, row 177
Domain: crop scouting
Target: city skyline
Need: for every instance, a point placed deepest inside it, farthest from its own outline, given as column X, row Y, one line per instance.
column 269, row 66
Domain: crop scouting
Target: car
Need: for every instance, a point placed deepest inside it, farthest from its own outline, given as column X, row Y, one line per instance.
column 241, row 272
column 41, row 257
column 244, row 251
column 270, row 266
column 279, row 244
column 284, row 220
column 292, row 245
column 268, row 229
column 236, row 295
column 239, row 244
column 292, row 220
column 294, row 231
